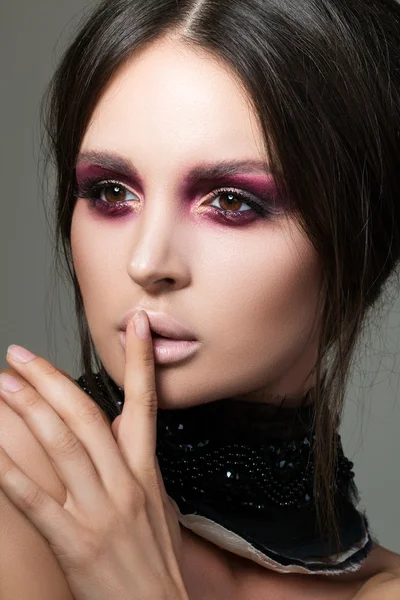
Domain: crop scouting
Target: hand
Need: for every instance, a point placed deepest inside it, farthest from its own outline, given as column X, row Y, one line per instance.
column 117, row 534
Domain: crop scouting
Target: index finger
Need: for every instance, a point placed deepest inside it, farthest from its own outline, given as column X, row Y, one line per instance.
column 137, row 432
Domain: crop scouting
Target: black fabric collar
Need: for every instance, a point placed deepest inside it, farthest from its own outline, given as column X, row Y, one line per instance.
column 241, row 475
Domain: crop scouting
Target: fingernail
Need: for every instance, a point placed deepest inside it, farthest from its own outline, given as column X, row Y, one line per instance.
column 141, row 325
column 20, row 354
column 9, row 384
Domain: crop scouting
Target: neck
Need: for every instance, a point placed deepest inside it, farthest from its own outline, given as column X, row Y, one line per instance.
column 283, row 400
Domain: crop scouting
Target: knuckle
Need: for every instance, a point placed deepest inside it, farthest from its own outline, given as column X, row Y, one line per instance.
column 149, row 398
column 29, row 398
column 46, row 368
column 87, row 549
column 148, row 358
column 89, row 413
column 94, row 541
column 134, row 500
column 113, row 524
column 6, row 468
column 66, row 443
column 32, row 496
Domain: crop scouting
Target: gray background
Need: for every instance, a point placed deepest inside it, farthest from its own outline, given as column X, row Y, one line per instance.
column 32, row 37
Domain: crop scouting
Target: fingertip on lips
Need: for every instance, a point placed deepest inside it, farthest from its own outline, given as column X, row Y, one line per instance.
column 141, row 325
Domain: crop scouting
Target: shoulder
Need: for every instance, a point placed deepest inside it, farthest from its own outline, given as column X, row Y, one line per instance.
column 28, row 567
column 384, row 586
column 383, row 582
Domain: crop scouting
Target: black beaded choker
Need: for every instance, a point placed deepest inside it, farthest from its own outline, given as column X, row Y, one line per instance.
column 241, row 474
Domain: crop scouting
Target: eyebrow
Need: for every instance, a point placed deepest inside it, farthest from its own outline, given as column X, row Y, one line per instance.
column 209, row 171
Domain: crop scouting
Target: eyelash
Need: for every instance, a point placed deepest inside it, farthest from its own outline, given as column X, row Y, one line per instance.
column 90, row 187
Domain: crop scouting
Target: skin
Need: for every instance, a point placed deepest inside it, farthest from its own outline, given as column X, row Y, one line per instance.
column 248, row 292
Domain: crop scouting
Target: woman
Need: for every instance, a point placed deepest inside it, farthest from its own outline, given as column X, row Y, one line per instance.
column 233, row 166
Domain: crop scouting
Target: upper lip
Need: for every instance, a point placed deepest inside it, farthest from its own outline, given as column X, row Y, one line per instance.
column 162, row 324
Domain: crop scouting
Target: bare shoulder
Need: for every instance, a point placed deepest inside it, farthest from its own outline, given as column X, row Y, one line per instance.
column 383, row 580
column 384, row 586
column 28, row 567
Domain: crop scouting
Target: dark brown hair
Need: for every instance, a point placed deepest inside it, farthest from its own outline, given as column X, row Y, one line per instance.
column 323, row 76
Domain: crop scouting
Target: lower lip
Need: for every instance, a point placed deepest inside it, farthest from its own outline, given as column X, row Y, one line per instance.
column 167, row 350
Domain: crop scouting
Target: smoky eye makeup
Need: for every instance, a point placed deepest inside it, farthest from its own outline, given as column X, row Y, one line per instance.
column 109, row 195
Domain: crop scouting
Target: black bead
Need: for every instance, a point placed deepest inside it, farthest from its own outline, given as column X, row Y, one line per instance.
column 231, row 461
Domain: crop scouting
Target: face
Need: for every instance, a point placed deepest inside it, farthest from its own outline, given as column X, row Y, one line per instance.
column 215, row 252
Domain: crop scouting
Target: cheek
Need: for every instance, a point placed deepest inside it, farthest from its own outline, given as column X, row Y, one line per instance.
column 291, row 291
column 263, row 296
column 96, row 264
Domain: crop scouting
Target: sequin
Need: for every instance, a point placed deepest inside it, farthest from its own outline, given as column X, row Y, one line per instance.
column 251, row 464
column 273, row 472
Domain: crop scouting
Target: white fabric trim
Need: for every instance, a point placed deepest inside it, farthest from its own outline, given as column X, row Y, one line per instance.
column 222, row 537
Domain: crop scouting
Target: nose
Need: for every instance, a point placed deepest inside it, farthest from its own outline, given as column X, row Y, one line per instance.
column 159, row 257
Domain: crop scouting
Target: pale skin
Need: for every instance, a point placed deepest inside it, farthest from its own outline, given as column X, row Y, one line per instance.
column 116, row 535
column 248, row 292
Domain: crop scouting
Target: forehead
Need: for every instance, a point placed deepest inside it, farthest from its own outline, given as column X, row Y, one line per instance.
column 170, row 97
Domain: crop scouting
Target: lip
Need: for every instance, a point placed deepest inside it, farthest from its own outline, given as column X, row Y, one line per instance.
column 161, row 324
column 167, row 351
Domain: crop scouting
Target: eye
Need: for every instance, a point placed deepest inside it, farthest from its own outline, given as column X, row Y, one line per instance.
column 233, row 200
column 112, row 192
column 114, row 199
